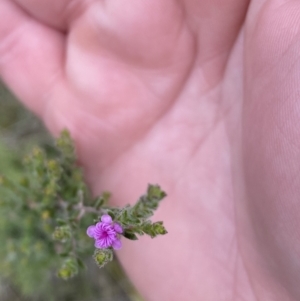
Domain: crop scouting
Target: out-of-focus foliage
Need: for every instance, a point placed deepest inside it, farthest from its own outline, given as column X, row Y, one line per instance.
column 26, row 263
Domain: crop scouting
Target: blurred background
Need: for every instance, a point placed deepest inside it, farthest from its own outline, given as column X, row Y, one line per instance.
column 24, row 275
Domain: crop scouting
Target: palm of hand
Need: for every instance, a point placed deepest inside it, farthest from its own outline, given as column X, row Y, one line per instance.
column 188, row 95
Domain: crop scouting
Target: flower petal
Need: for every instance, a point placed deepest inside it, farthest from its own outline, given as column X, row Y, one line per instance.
column 118, row 228
column 117, row 244
column 106, row 219
column 103, row 243
column 91, row 231
column 99, row 244
column 99, row 226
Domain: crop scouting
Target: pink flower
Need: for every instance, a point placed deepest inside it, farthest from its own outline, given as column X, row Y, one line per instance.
column 106, row 233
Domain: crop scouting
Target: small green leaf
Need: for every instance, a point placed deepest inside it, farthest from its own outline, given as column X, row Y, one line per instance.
column 81, row 264
column 98, row 203
column 64, row 254
column 61, row 222
column 154, row 191
column 130, row 235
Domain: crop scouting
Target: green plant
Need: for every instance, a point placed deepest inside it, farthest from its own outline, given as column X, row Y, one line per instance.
column 50, row 208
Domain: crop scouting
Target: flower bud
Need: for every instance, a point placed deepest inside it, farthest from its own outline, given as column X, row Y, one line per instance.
column 62, row 233
column 69, row 269
column 103, row 256
column 159, row 228
column 54, row 168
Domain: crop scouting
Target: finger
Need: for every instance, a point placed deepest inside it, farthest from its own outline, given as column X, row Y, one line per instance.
column 31, row 56
column 215, row 22
column 56, row 13
column 272, row 147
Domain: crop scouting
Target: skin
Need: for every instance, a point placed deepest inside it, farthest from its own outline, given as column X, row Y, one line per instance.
column 201, row 97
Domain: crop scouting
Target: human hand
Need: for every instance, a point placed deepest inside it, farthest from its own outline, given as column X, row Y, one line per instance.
column 197, row 96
